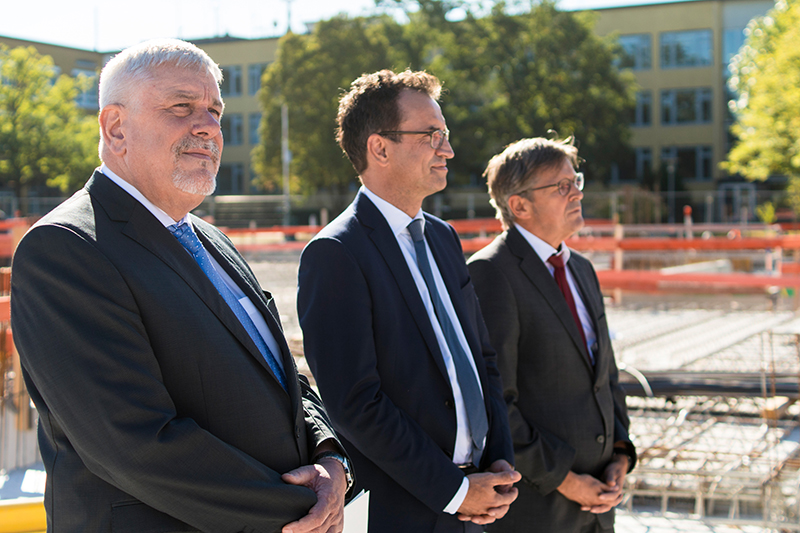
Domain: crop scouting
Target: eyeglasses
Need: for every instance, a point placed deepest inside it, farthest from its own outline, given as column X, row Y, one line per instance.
column 437, row 136
column 564, row 186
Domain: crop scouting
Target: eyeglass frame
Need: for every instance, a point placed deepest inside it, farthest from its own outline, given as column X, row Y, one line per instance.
column 567, row 188
column 445, row 135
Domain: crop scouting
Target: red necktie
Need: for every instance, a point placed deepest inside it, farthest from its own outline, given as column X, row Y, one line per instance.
column 561, row 279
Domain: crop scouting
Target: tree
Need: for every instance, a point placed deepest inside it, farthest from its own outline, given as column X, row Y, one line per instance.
column 505, row 77
column 308, row 75
column 44, row 137
column 765, row 74
column 515, row 76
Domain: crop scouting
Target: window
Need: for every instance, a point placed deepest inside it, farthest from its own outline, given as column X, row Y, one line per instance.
column 693, row 162
column 643, row 160
column 686, row 106
column 254, row 121
column 229, row 179
column 231, row 81
column 636, row 51
column 642, row 114
column 88, row 99
column 732, row 41
column 232, row 129
column 686, row 49
column 254, row 73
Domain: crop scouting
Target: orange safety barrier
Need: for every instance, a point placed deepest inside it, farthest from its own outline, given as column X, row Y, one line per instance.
column 491, row 226
column 286, row 230
column 610, row 244
column 5, row 308
column 652, row 280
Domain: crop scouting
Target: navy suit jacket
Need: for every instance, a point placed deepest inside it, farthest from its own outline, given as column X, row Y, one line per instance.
column 373, row 351
column 157, row 411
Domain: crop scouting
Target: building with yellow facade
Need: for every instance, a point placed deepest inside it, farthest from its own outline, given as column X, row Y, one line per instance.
column 678, row 52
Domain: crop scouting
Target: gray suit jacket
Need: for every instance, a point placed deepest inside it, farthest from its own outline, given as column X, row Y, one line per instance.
column 564, row 414
column 157, row 412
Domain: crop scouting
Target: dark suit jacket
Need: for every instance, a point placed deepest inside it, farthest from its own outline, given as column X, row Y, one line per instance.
column 373, row 351
column 157, row 412
column 564, row 414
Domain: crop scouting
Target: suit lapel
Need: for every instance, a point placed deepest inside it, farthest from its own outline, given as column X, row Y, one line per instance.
column 536, row 271
column 140, row 225
column 232, row 264
column 584, row 283
column 381, row 235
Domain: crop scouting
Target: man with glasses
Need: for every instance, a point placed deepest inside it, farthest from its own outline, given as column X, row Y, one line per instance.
column 545, row 315
column 392, row 328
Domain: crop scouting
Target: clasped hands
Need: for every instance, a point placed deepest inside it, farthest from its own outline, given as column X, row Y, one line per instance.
column 490, row 494
column 326, row 478
column 592, row 494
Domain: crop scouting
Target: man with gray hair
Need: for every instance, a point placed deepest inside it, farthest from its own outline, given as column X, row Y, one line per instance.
column 168, row 398
column 544, row 311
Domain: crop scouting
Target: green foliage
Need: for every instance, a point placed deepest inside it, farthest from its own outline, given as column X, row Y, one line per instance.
column 766, row 213
column 766, row 75
column 309, row 73
column 44, row 137
column 505, row 77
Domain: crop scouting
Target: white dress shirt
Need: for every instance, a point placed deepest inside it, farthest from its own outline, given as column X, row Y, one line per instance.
column 166, row 220
column 398, row 222
column 544, row 251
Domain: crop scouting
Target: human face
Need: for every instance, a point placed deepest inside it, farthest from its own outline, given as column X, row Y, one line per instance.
column 553, row 217
column 173, row 137
column 416, row 169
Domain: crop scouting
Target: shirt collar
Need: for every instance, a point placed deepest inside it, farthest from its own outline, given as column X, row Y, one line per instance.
column 543, row 249
column 162, row 217
column 397, row 219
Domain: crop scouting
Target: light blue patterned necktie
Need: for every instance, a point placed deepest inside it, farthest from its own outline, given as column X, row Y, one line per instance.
column 470, row 390
column 183, row 232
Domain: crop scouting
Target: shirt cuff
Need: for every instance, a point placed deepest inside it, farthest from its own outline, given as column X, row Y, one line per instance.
column 458, row 499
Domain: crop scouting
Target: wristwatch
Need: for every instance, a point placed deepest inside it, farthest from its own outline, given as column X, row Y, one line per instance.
column 348, row 472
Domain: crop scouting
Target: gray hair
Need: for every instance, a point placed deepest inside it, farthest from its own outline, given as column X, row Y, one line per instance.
column 517, row 167
column 136, row 64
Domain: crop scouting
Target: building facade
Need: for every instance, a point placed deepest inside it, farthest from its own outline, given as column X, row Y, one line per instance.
column 679, row 53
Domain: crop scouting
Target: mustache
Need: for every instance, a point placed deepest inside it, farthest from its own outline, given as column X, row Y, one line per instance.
column 188, row 143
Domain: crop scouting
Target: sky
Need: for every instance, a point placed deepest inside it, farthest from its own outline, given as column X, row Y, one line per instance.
column 109, row 25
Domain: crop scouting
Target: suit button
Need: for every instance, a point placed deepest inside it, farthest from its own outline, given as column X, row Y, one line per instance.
column 601, row 439
column 449, row 404
column 597, row 388
column 297, row 432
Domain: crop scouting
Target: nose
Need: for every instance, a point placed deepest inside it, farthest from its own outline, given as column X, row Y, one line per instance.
column 207, row 125
column 446, row 150
column 575, row 193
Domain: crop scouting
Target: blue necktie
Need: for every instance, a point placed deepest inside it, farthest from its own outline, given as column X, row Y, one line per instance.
column 183, row 232
column 470, row 390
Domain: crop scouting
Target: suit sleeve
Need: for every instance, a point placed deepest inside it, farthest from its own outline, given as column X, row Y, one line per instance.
column 542, row 458
column 87, row 354
column 335, row 311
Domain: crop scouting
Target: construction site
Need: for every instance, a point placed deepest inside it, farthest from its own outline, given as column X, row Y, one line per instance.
column 707, row 338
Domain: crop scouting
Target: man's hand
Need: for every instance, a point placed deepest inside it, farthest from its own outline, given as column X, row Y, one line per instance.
column 490, row 494
column 327, row 480
column 592, row 494
column 615, row 477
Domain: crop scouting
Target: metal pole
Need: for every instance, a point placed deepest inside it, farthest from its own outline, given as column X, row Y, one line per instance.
column 286, row 158
column 671, row 189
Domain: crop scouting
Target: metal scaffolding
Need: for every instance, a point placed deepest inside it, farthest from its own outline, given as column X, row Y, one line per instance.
column 717, row 435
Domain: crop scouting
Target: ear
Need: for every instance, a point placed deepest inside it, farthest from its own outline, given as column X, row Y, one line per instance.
column 112, row 119
column 378, row 150
column 520, row 207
